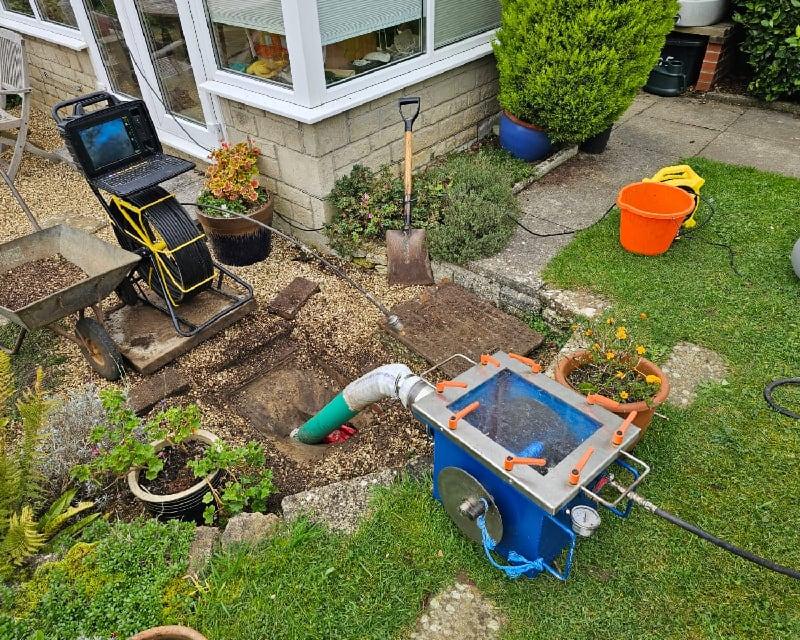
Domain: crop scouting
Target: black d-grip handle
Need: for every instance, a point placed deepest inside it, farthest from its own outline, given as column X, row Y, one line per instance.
column 79, row 103
column 409, row 119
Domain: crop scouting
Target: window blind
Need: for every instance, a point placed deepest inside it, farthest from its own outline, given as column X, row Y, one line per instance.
column 343, row 19
column 263, row 15
column 459, row 19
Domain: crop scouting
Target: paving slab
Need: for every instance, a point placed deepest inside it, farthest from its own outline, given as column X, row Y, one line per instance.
column 83, row 221
column 641, row 103
column 186, row 188
column 689, row 366
column 662, row 136
column 767, row 155
column 167, row 383
column 248, row 528
column 769, row 125
column 461, row 612
column 695, row 112
column 292, row 297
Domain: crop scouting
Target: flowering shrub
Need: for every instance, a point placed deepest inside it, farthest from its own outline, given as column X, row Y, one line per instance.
column 232, row 179
column 612, row 368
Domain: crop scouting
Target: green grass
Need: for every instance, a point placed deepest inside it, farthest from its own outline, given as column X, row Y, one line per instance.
column 727, row 463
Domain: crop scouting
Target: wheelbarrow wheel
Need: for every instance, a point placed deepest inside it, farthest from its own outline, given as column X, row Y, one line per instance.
column 99, row 349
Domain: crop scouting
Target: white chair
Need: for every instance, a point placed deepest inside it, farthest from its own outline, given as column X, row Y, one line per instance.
column 14, row 81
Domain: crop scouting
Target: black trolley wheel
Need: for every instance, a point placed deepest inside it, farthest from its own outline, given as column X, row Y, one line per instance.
column 99, row 349
column 126, row 292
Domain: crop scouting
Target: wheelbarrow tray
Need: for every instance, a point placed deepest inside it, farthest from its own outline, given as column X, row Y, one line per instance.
column 105, row 265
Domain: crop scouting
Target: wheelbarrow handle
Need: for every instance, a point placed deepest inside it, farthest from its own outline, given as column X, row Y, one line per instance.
column 409, row 119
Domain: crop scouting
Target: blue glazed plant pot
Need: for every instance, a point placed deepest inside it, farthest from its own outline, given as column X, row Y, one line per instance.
column 522, row 140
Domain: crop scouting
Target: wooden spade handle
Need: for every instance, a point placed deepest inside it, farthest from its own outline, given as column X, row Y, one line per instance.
column 408, row 158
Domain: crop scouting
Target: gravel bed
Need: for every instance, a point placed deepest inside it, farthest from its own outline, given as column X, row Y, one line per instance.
column 337, row 325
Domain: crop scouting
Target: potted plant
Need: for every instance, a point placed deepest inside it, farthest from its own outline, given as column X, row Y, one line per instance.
column 173, row 466
column 569, row 68
column 614, row 366
column 231, row 191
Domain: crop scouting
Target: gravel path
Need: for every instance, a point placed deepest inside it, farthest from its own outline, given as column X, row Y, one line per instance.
column 336, row 322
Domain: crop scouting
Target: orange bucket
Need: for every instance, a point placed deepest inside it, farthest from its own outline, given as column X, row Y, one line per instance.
column 651, row 214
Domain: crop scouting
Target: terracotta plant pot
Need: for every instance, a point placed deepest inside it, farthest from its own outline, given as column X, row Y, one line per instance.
column 645, row 411
column 171, row 632
column 175, row 505
column 239, row 241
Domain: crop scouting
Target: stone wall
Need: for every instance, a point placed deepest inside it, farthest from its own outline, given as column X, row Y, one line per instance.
column 57, row 72
column 301, row 161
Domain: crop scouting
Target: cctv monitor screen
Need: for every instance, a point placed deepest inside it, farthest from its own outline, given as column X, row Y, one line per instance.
column 110, row 142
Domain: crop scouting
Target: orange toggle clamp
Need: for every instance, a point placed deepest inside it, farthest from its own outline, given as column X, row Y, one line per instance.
column 510, row 461
column 575, row 474
column 444, row 384
column 535, row 366
column 606, row 403
column 616, row 439
column 455, row 418
column 486, row 359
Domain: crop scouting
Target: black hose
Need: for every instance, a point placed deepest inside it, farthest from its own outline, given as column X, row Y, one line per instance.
column 780, row 382
column 751, row 557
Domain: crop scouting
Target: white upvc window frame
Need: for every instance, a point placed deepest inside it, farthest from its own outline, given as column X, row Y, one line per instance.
column 310, row 100
column 39, row 27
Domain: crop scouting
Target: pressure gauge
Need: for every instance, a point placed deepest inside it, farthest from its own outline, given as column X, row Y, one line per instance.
column 585, row 520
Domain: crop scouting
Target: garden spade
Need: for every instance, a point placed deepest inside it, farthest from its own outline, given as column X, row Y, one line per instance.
column 406, row 249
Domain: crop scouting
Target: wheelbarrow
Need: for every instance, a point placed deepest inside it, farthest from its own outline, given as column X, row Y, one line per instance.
column 106, row 267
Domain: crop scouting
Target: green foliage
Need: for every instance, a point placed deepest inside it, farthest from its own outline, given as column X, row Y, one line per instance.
column 124, row 441
column 129, row 580
column 248, row 483
column 772, row 43
column 464, row 202
column 573, row 67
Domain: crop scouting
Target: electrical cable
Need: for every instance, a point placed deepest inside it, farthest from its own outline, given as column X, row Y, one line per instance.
column 780, row 382
column 560, row 233
column 724, row 544
column 391, row 319
column 297, row 226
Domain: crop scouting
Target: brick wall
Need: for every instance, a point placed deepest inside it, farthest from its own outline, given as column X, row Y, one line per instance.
column 301, row 162
column 57, row 72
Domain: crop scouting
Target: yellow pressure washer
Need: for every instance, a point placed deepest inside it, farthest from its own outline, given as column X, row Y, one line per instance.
column 683, row 177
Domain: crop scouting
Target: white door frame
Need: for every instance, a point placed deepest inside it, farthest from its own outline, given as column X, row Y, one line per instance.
column 189, row 137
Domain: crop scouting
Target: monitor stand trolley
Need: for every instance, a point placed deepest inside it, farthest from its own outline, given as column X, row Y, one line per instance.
column 114, row 144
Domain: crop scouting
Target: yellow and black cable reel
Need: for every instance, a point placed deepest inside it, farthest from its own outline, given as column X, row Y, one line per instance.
column 683, row 177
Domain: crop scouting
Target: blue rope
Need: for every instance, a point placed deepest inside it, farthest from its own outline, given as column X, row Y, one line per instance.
column 513, row 571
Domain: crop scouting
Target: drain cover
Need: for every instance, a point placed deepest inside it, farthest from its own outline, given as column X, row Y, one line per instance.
column 449, row 319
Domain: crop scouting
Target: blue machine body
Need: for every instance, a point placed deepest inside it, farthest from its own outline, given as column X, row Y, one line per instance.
column 526, row 415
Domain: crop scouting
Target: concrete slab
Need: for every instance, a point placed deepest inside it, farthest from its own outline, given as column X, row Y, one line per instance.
column 151, row 391
column 696, row 112
column 147, row 339
column 688, row 367
column 460, row 611
column 83, row 221
column 769, row 125
column 186, row 188
column 662, row 136
column 768, row 155
column 641, row 103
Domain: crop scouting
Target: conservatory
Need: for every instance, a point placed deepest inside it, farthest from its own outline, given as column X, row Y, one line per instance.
column 313, row 81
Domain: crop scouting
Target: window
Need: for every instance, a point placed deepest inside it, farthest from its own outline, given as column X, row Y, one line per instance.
column 459, row 19
column 359, row 36
column 57, row 11
column 249, row 38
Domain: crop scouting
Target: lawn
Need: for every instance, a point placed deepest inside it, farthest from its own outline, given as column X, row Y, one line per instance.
column 727, row 463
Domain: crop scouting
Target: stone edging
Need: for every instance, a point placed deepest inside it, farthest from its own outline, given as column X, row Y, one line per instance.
column 749, row 101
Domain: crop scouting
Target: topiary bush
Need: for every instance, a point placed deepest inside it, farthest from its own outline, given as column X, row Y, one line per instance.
column 772, row 44
column 572, row 67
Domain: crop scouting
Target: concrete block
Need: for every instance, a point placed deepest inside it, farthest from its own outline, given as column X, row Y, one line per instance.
column 323, row 137
column 294, row 195
column 312, row 175
column 351, row 154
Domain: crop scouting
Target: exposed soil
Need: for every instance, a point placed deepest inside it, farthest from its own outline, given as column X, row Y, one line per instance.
column 175, row 476
column 38, row 279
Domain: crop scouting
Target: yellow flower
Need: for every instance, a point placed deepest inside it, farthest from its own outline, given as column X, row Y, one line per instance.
column 574, row 327
column 651, row 379
column 623, row 395
column 619, row 374
column 610, row 320
column 588, row 332
column 640, row 350
column 610, row 355
column 596, row 346
column 643, row 316
column 622, row 333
